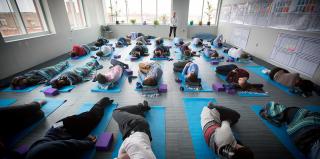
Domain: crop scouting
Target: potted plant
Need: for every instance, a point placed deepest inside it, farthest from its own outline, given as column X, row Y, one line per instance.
column 155, row 22
column 164, row 19
column 133, row 21
column 191, row 22
column 209, row 12
column 200, row 23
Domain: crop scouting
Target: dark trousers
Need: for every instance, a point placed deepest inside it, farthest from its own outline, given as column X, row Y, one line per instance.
column 227, row 114
column 174, row 29
column 130, row 118
column 178, row 66
column 275, row 70
column 13, row 119
column 225, row 69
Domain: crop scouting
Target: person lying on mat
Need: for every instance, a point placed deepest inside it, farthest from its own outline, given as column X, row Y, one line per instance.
column 70, row 137
column 150, row 73
column 217, row 42
column 161, row 51
column 197, row 42
column 139, row 50
column 186, row 51
column 135, row 132
column 178, row 41
column 16, row 118
column 123, row 41
column 111, row 77
column 238, row 78
column 190, row 73
column 105, row 51
column 212, row 53
column 297, row 84
column 101, row 41
column 215, row 124
column 235, row 52
column 78, row 51
column 143, row 40
column 76, row 75
column 36, row 77
column 302, row 126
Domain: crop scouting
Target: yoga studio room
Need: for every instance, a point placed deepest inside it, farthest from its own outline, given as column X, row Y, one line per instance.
column 159, row 79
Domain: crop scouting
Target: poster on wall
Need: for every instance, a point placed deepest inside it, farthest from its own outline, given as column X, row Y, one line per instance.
column 297, row 52
column 240, row 37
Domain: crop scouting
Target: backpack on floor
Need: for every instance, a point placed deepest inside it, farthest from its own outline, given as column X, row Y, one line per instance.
column 273, row 112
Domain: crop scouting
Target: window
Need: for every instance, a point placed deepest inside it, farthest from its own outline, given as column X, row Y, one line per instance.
column 203, row 11
column 75, row 13
column 20, row 17
column 127, row 11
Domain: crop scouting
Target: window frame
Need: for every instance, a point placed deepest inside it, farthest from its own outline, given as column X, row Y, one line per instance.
column 18, row 18
column 105, row 7
column 202, row 12
column 81, row 7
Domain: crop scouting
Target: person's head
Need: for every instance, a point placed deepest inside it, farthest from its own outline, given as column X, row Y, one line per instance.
column 128, row 36
column 215, row 54
column 99, row 43
column 159, row 41
column 139, row 43
column 192, row 77
column 306, row 86
column 101, row 79
column 73, row 54
column 128, row 40
column 157, row 52
column 19, row 81
column 242, row 81
column 99, row 53
column 149, row 81
column 59, row 83
column 243, row 152
column 187, row 52
column 220, row 44
column 244, row 56
column 174, row 14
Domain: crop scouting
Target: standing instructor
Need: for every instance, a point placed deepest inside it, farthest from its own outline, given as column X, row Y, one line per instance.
column 173, row 25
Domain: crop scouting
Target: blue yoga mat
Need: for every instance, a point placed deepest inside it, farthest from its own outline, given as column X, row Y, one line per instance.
column 48, row 108
column 7, row 102
column 28, row 89
column 205, row 86
column 257, row 70
column 156, row 120
column 193, row 108
column 61, row 90
column 100, row 127
column 115, row 89
column 281, row 133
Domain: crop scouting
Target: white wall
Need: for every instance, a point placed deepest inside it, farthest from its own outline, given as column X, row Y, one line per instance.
column 21, row 55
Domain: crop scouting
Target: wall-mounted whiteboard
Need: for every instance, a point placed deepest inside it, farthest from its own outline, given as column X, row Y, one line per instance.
column 240, row 37
column 297, row 52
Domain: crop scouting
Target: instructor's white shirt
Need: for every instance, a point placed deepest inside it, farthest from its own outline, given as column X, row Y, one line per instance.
column 173, row 21
column 137, row 146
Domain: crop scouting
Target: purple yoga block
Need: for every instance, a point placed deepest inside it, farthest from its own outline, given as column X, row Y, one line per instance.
column 218, row 87
column 231, row 91
column 230, row 59
column 214, row 62
column 23, row 149
column 104, row 141
column 117, row 56
column 128, row 71
column 132, row 58
column 163, row 88
column 51, row 92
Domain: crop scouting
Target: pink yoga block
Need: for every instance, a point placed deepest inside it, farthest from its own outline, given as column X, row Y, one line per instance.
column 51, row 92
column 23, row 149
column 128, row 71
column 163, row 88
column 218, row 87
column 214, row 62
column 104, row 141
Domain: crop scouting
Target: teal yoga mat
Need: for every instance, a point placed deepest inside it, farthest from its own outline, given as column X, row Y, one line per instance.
column 257, row 70
column 281, row 133
column 193, row 108
column 7, row 102
column 48, row 108
column 156, row 120
column 28, row 89
column 100, row 127
column 115, row 89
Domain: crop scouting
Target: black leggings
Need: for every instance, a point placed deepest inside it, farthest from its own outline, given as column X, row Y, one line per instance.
column 226, row 114
column 174, row 31
column 130, row 118
column 275, row 70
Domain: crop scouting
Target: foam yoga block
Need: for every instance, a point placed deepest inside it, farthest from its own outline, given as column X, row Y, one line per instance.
column 214, row 62
column 104, row 141
column 132, row 58
column 163, row 88
column 230, row 59
column 117, row 56
column 23, row 149
column 218, row 87
column 51, row 92
column 128, row 72
column 231, row 91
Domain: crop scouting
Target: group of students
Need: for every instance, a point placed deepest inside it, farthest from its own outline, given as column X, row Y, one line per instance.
column 70, row 137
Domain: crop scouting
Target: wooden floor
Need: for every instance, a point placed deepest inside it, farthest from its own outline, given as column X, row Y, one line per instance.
column 251, row 130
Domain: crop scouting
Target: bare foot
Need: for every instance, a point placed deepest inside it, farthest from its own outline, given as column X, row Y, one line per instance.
column 42, row 102
column 92, row 138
